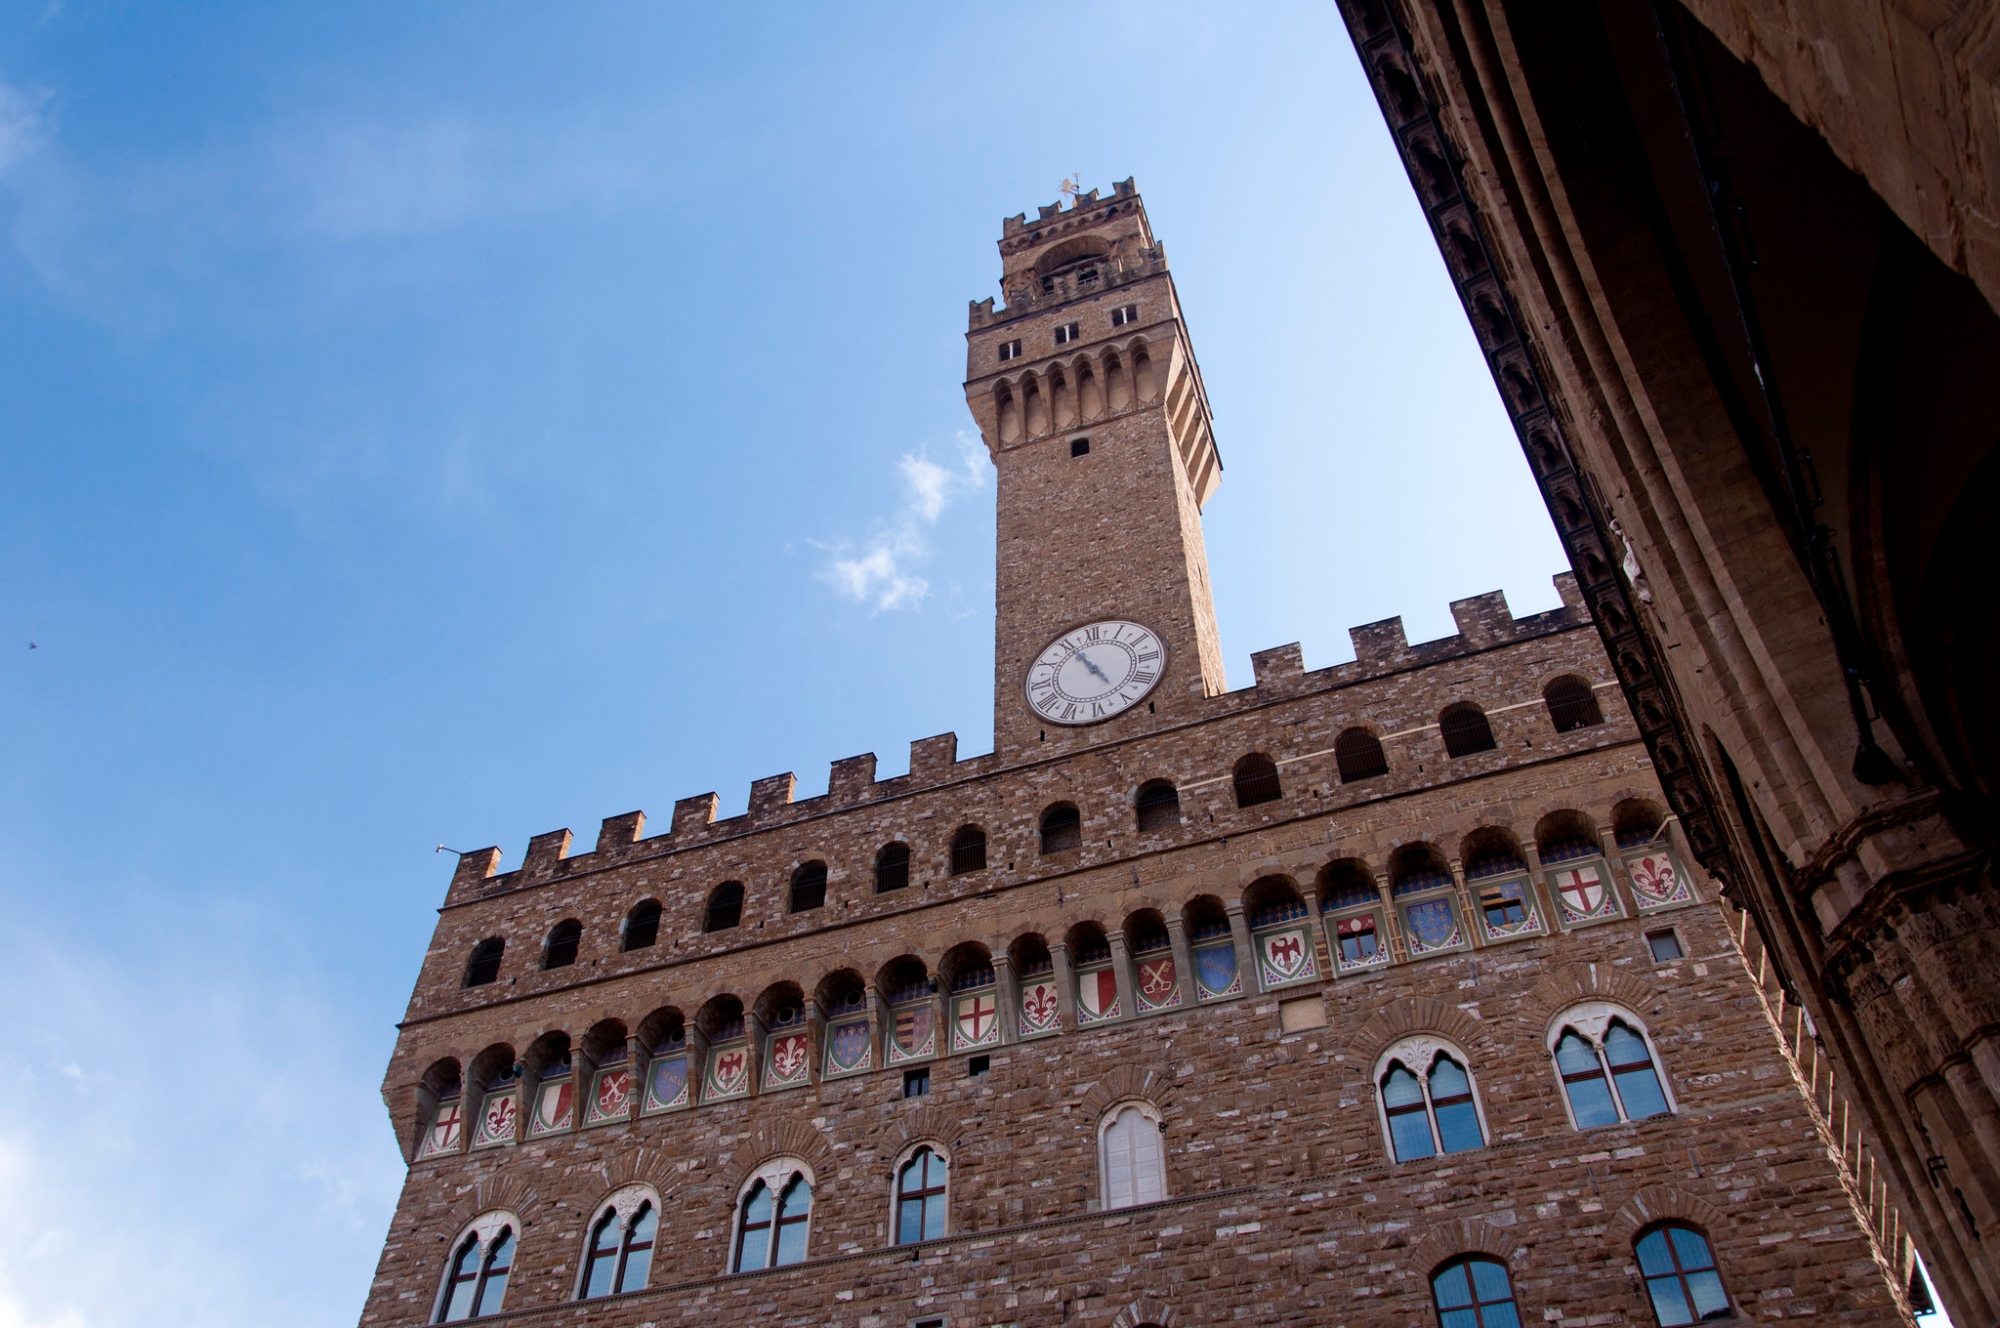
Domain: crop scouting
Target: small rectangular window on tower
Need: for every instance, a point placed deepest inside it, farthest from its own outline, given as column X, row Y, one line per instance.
column 1665, row 945
column 1122, row 316
column 1067, row 333
column 1079, row 447
column 917, row 1083
column 1009, row 350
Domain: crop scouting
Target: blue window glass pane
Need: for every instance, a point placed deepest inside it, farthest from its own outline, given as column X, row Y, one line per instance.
column 791, row 1244
column 759, row 1207
column 798, row 1199
column 648, row 1222
column 464, row 1269
column 1411, row 1135
column 934, row 1217
column 1489, row 1280
column 1451, row 1287
column 638, row 1267
column 1654, row 1261
column 1575, row 1056
column 1458, row 1127
column 1640, row 1091
column 910, row 1222
column 603, row 1257
column 1458, row 1319
column 1401, row 1089
column 499, row 1262
column 1590, row 1099
column 1670, row 1307
column 1691, row 1249
column 1448, row 1080
column 1501, row 1315
column 933, row 1170
column 1709, row 1300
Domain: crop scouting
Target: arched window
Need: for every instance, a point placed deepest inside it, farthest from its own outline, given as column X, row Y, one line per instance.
column 774, row 1217
column 1431, row 1114
column 1681, row 1276
column 559, row 951
column 1134, row 1163
column 725, row 907
column 1257, row 780
column 808, row 887
column 1159, row 804
column 1474, row 1292
column 642, row 926
column 477, row 1282
column 1572, row 704
column 1609, row 1081
column 920, row 1197
column 1358, row 753
column 892, row 868
column 1465, row 729
column 484, row 966
column 968, row 850
column 621, row 1252
column 1062, row 828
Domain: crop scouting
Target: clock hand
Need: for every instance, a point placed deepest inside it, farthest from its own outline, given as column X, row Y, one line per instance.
column 1101, row 675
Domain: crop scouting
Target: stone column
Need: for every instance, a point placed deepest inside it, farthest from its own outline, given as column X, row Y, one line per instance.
column 1246, row 954
column 878, row 1050
column 1065, row 986
column 1538, row 881
column 697, row 1054
column 1614, row 870
column 754, row 1033
column 1316, row 931
column 940, row 1020
column 1183, row 960
column 1007, row 993
column 1475, row 933
column 815, row 1038
column 1121, row 970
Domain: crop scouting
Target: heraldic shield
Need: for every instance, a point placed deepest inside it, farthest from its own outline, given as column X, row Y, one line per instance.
column 1215, row 971
column 1433, row 925
column 610, row 1097
column 445, row 1130
column 667, row 1084
column 1287, row 956
column 1038, row 1006
column 1096, row 996
column 498, row 1118
column 788, row 1060
column 1159, row 983
column 915, row 1035
column 1583, row 894
column 1657, row 881
column 554, row 1102
column 975, row 1020
column 847, row 1048
column 728, row 1073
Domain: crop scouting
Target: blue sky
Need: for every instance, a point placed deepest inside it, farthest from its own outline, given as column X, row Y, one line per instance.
column 446, row 423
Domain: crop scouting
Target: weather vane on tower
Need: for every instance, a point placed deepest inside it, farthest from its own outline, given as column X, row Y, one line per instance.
column 1072, row 185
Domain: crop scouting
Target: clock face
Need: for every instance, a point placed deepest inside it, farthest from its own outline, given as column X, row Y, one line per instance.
column 1095, row 671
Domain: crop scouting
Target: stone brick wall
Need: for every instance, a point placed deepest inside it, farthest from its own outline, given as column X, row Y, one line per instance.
column 1282, row 1202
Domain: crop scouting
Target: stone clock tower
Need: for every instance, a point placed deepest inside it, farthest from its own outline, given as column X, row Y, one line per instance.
column 1087, row 392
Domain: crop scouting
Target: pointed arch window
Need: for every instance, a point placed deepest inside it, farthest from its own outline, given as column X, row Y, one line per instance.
column 1681, row 1276
column 1612, row 1081
column 1432, row 1113
column 1135, row 1164
column 621, row 1252
column 921, row 1196
column 477, row 1283
column 775, row 1216
column 1474, row 1293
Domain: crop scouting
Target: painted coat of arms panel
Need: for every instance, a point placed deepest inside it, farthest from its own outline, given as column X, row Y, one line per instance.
column 447, row 1128
column 848, row 1049
column 1507, row 909
column 975, row 1020
column 1039, row 1007
column 555, row 1105
column 728, row 1072
column 1096, row 996
column 610, row 1097
column 1215, row 972
column 1658, row 881
column 1358, row 943
column 499, row 1117
column 1159, row 982
column 1584, row 893
column 788, row 1062
column 1286, row 956
column 1433, row 925
column 913, row 1035
column 667, row 1084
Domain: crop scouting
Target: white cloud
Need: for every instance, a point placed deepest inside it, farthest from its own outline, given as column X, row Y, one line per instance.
column 881, row 571
column 22, row 125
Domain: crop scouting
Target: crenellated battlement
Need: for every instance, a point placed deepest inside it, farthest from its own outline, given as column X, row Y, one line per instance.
column 1382, row 650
